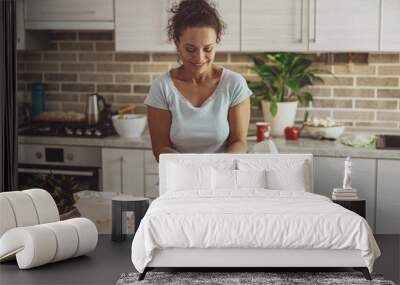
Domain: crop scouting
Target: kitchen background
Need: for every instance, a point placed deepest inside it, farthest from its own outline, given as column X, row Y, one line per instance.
column 361, row 90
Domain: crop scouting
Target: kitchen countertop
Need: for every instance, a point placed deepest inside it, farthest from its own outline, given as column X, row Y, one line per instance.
column 113, row 141
column 332, row 149
column 303, row 145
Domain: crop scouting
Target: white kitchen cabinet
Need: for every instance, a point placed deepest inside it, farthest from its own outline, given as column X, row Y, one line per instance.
column 141, row 26
column 151, row 185
column 150, row 163
column 390, row 35
column 230, row 14
column 71, row 14
column 27, row 39
column 130, row 171
column 344, row 25
column 310, row 25
column 269, row 25
column 151, row 175
column 328, row 174
column 388, row 197
column 123, row 171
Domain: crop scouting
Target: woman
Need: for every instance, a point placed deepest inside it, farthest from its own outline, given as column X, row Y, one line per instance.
column 198, row 107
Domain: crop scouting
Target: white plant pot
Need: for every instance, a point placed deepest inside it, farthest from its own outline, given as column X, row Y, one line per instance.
column 285, row 116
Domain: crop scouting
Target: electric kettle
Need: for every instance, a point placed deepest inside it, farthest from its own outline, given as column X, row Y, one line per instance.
column 95, row 104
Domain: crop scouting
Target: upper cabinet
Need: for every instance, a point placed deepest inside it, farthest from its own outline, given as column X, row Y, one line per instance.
column 269, row 25
column 141, row 26
column 390, row 35
column 344, row 25
column 252, row 25
column 71, row 14
column 310, row 25
column 28, row 39
column 230, row 12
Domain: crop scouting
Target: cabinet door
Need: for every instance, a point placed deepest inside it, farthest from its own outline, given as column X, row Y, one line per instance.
column 151, row 185
column 390, row 39
column 328, row 174
column 150, row 163
column 71, row 10
column 142, row 25
column 123, row 171
column 230, row 14
column 269, row 25
column 151, row 180
column 388, row 197
column 343, row 25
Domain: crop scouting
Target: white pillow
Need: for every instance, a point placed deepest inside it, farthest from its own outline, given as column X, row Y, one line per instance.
column 251, row 178
column 293, row 180
column 223, row 179
column 188, row 177
column 227, row 179
column 282, row 174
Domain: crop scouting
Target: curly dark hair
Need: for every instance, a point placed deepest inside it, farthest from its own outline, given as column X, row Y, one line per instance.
column 194, row 13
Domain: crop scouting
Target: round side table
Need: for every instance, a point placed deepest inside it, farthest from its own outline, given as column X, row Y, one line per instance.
column 122, row 204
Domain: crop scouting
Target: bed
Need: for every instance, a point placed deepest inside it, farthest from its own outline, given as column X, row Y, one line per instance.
column 247, row 210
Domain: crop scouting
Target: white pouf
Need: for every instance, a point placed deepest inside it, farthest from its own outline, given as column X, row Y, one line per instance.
column 41, row 244
column 33, row 246
column 46, row 208
column 7, row 216
column 31, row 232
column 23, row 208
column 67, row 237
column 87, row 233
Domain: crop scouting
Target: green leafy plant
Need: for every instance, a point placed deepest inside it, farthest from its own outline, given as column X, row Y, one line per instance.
column 61, row 188
column 283, row 76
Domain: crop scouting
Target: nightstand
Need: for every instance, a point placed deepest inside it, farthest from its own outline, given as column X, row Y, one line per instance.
column 122, row 204
column 357, row 206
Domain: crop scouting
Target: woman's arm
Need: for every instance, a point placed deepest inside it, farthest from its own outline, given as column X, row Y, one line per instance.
column 159, row 122
column 239, row 120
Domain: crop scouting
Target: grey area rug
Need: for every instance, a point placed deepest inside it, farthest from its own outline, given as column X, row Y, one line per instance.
column 269, row 278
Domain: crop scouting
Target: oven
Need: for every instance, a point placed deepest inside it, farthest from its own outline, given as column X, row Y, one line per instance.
column 75, row 168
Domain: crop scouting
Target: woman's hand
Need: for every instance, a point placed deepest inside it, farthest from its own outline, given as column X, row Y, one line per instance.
column 159, row 122
column 239, row 120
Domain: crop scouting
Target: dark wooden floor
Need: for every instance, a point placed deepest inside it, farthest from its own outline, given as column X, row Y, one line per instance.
column 103, row 266
column 110, row 260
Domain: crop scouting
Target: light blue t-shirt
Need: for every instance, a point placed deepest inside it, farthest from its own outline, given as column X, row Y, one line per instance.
column 203, row 129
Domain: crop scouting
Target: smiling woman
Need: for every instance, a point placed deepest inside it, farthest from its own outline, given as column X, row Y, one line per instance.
column 198, row 107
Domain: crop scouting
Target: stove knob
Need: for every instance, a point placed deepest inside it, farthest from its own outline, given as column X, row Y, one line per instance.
column 70, row 156
column 88, row 132
column 78, row 132
column 98, row 133
column 38, row 155
column 68, row 131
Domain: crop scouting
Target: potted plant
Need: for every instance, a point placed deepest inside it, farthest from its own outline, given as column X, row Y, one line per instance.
column 61, row 188
column 283, row 76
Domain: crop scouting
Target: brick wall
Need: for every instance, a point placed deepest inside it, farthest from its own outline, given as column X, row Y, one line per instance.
column 361, row 90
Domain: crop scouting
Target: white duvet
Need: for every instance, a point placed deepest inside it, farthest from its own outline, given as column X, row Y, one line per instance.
column 252, row 218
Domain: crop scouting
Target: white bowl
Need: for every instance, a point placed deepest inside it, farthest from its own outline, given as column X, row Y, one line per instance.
column 129, row 125
column 325, row 132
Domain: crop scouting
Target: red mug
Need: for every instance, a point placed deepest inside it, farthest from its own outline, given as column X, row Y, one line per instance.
column 262, row 131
